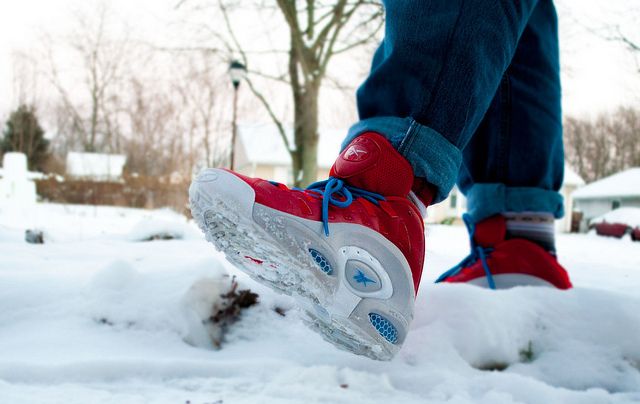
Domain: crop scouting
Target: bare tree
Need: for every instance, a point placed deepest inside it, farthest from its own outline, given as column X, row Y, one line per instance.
column 198, row 87
column 25, row 78
column 102, row 60
column 601, row 147
column 148, row 116
column 631, row 42
column 174, row 116
column 317, row 32
column 628, row 129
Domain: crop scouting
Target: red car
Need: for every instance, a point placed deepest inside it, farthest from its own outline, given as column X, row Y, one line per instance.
column 613, row 229
column 618, row 222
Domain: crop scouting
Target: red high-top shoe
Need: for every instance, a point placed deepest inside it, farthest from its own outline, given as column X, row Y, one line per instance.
column 499, row 263
column 352, row 247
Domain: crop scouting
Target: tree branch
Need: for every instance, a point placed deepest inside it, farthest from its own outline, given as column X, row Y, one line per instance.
column 272, row 114
column 305, row 55
column 362, row 41
column 338, row 10
column 253, row 89
column 635, row 47
column 328, row 51
column 311, row 8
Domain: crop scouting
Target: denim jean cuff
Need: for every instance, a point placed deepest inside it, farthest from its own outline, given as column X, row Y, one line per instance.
column 431, row 155
column 485, row 200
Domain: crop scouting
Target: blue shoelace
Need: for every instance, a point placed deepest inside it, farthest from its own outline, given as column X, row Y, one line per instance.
column 336, row 192
column 477, row 253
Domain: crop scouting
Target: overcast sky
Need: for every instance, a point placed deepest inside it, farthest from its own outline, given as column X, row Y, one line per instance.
column 598, row 74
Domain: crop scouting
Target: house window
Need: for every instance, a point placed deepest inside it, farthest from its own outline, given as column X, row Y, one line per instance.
column 615, row 205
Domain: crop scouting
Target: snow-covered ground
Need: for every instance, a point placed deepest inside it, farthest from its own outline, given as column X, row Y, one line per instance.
column 95, row 315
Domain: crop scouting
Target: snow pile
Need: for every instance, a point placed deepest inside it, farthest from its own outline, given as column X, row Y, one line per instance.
column 16, row 186
column 121, row 297
column 198, row 303
column 72, row 223
column 104, row 319
column 127, row 328
column 213, row 305
column 576, row 340
column 571, row 177
column 628, row 216
column 149, row 229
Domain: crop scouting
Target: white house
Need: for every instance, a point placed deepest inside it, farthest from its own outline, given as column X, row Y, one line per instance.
column 260, row 152
column 451, row 209
column 602, row 196
column 95, row 166
column 572, row 181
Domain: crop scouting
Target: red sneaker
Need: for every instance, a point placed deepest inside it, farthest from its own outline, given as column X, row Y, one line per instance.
column 499, row 263
column 352, row 247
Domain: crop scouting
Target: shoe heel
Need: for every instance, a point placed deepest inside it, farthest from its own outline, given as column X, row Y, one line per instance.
column 371, row 308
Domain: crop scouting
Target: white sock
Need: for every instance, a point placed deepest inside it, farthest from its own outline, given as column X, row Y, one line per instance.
column 537, row 227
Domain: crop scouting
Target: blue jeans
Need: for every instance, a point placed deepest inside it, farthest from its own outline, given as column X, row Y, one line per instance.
column 470, row 91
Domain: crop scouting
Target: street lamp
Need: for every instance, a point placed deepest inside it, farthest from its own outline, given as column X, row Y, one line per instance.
column 237, row 72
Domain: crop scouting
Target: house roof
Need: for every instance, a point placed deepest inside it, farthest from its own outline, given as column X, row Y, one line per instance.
column 571, row 177
column 95, row 165
column 622, row 184
column 263, row 144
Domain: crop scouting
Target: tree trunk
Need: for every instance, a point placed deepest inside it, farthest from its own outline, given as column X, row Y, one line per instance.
column 91, row 147
column 306, row 135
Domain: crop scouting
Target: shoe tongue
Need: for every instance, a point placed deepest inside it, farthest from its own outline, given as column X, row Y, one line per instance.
column 491, row 231
column 370, row 162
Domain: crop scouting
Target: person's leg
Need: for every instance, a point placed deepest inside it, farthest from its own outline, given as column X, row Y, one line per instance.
column 513, row 168
column 434, row 76
column 515, row 160
column 351, row 248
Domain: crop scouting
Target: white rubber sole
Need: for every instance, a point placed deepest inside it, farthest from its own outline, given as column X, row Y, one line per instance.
column 355, row 286
column 508, row 281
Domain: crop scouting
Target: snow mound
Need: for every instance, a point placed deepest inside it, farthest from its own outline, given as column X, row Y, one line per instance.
column 72, row 223
column 578, row 339
column 628, row 216
column 149, row 229
column 121, row 297
column 197, row 304
column 108, row 320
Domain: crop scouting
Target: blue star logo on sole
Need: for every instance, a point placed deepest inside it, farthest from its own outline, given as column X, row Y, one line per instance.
column 360, row 277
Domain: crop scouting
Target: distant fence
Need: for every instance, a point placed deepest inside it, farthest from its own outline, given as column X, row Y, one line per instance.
column 131, row 191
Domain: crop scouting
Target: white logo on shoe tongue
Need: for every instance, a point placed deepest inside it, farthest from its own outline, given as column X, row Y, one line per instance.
column 354, row 153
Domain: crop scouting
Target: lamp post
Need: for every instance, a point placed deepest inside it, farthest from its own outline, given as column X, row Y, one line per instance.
column 237, row 72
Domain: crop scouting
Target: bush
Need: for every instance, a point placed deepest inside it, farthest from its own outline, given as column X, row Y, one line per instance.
column 131, row 191
column 24, row 134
